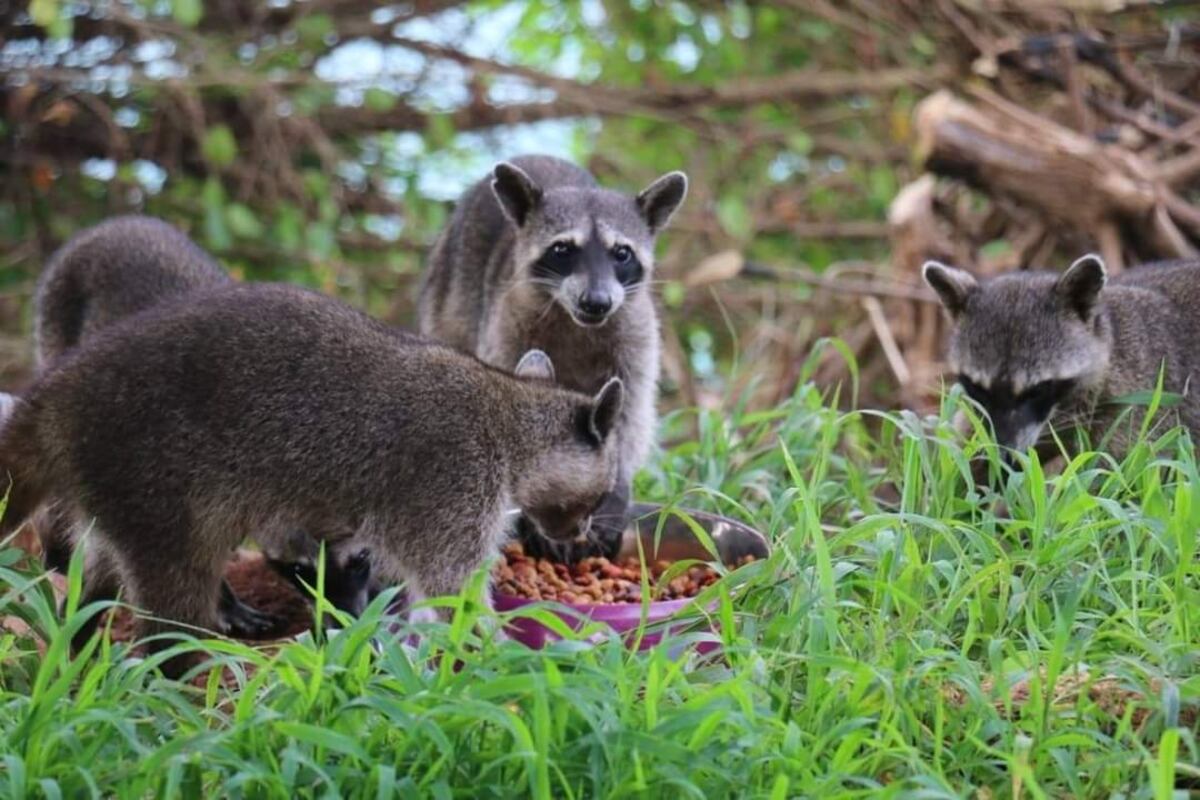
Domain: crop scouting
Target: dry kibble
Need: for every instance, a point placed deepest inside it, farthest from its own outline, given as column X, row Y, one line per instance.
column 595, row 580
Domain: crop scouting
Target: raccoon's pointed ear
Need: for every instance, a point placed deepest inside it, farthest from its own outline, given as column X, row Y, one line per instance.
column 606, row 407
column 517, row 193
column 535, row 365
column 1079, row 287
column 659, row 201
column 953, row 286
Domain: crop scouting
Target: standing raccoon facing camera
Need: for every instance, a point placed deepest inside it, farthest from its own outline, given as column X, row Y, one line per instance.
column 538, row 256
column 1033, row 348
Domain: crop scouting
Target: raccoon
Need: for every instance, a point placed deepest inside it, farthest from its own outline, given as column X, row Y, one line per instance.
column 537, row 255
column 261, row 410
column 1038, row 347
column 116, row 269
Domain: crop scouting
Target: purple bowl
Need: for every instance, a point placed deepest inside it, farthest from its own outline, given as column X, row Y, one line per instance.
column 675, row 542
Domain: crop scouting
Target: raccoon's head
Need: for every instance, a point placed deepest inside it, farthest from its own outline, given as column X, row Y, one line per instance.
column 1024, row 343
column 570, row 475
column 585, row 248
column 347, row 574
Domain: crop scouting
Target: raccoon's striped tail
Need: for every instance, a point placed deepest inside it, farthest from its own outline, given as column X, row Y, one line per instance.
column 23, row 483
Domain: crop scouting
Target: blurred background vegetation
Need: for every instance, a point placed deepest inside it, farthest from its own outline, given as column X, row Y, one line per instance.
column 323, row 142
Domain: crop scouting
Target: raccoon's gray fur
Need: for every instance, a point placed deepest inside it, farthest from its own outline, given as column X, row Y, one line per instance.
column 1032, row 347
column 100, row 275
column 537, row 255
column 262, row 410
column 113, row 270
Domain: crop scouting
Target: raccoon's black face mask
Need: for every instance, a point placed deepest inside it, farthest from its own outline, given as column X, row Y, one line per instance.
column 348, row 586
column 585, row 241
column 1017, row 419
column 591, row 281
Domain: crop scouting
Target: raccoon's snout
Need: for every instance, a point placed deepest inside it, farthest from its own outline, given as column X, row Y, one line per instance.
column 594, row 306
column 1016, row 433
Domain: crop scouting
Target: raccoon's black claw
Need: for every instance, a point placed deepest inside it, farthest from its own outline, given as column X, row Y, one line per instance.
column 240, row 621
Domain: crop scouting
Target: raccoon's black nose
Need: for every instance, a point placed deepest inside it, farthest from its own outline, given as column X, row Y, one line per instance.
column 595, row 303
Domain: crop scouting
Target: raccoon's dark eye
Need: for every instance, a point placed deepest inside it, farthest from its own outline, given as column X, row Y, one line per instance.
column 621, row 254
column 359, row 563
column 559, row 260
column 629, row 271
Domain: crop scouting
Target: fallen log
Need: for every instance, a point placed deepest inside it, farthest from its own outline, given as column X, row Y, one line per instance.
column 1072, row 179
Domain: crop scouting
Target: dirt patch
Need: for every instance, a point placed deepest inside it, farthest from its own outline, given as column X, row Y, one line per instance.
column 1107, row 692
column 252, row 580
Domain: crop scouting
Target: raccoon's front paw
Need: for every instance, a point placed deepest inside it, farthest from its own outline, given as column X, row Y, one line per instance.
column 609, row 520
column 240, row 621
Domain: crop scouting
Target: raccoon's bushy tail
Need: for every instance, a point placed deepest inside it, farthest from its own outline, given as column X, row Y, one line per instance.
column 24, row 483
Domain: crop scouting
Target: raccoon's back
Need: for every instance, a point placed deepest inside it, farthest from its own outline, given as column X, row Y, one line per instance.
column 1161, row 300
column 1155, row 315
column 470, row 264
column 113, row 270
column 259, row 388
column 1179, row 278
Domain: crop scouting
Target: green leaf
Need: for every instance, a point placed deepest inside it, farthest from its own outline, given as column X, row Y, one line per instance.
column 800, row 142
column 673, row 294
column 995, row 248
column 313, row 29
column 187, row 12
column 377, row 99
column 215, row 230
column 242, row 222
column 219, row 146
column 734, row 216
column 44, row 12
column 439, row 133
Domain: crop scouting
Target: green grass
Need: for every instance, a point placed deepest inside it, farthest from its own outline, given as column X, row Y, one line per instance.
column 871, row 655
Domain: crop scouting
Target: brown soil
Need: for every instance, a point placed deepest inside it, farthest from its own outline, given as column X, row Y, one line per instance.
column 1107, row 692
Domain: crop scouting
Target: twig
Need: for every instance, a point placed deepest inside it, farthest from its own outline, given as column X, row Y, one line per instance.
column 883, row 331
column 754, row 269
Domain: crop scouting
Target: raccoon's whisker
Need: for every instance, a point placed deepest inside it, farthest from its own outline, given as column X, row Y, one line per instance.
column 545, row 311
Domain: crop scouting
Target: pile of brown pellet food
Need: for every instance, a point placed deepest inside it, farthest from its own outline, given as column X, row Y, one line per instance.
column 595, row 580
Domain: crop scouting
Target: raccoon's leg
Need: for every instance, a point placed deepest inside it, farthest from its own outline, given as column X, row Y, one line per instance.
column 349, row 586
column 440, row 571
column 55, row 525
column 101, row 581
column 610, row 518
column 176, row 581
